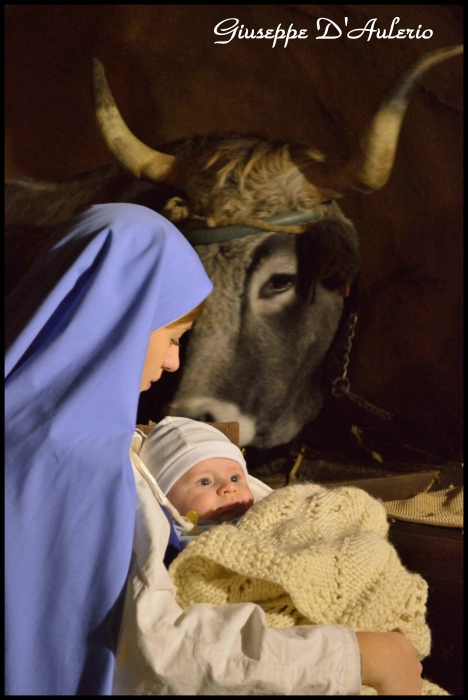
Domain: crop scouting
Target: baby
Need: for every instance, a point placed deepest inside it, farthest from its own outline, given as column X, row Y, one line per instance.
column 198, row 469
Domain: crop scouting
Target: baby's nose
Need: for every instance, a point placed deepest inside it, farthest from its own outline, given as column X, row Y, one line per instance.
column 229, row 487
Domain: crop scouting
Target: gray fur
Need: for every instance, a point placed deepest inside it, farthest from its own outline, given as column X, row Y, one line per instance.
column 263, row 360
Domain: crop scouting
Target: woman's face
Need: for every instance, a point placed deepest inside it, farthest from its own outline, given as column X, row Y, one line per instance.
column 162, row 353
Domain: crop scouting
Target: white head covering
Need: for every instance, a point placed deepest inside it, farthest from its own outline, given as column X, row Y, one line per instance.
column 176, row 445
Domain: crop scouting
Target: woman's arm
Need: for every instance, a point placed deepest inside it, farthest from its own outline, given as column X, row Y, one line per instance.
column 217, row 649
column 228, row 649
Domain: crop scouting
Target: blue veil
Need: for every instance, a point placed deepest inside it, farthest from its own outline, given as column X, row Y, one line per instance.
column 82, row 320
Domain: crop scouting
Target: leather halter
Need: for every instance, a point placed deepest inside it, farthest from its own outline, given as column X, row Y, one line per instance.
column 204, row 236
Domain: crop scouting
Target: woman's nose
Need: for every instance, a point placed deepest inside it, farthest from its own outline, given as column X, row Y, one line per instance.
column 171, row 361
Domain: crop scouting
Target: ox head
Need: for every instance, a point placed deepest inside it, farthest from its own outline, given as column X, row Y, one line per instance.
column 256, row 354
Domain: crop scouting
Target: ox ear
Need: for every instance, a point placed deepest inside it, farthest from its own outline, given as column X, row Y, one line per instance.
column 327, row 252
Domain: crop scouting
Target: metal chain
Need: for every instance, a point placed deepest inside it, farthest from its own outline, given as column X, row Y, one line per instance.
column 342, row 386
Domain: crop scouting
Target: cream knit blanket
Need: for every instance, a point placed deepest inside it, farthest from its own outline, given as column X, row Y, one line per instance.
column 309, row 555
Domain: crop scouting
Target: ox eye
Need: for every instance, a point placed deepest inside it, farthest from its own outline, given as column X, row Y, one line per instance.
column 277, row 284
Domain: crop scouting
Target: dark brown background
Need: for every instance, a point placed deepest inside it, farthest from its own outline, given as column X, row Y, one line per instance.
column 170, row 80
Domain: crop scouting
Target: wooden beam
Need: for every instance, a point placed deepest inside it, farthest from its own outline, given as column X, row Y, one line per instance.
column 229, row 429
column 393, row 488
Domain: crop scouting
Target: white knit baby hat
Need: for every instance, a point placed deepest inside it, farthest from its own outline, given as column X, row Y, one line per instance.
column 175, row 445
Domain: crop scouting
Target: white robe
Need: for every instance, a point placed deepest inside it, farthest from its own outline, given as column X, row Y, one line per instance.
column 215, row 650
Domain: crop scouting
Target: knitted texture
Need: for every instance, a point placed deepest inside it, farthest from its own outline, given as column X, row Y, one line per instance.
column 309, row 555
column 442, row 508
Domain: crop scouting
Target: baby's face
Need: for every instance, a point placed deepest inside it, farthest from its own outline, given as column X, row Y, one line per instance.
column 216, row 488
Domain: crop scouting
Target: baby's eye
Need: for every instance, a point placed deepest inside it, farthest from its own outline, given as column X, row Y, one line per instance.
column 234, row 477
column 205, row 481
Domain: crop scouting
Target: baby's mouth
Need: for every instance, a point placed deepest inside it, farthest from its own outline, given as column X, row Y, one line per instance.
column 231, row 511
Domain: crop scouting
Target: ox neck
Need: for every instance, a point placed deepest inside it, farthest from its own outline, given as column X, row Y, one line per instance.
column 204, row 236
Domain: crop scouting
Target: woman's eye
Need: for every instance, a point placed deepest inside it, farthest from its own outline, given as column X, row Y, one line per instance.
column 277, row 284
column 174, row 341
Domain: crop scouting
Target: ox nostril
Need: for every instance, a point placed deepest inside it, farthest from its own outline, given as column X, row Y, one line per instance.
column 206, row 418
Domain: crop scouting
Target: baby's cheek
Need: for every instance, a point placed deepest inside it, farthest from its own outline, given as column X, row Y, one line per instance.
column 205, row 503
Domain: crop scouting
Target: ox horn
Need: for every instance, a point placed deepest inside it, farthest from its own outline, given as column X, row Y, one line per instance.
column 141, row 160
column 370, row 167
